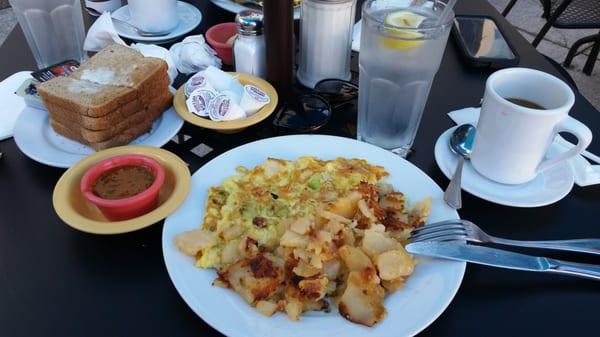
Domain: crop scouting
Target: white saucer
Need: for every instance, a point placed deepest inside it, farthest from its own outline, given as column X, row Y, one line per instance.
column 38, row 141
column 548, row 187
column 233, row 7
column 189, row 18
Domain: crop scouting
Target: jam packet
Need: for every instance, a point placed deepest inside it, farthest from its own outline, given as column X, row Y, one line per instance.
column 60, row 69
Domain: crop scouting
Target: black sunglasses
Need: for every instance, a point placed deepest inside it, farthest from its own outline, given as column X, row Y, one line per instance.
column 309, row 112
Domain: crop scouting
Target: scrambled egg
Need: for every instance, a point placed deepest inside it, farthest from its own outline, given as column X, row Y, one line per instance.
column 260, row 200
column 297, row 236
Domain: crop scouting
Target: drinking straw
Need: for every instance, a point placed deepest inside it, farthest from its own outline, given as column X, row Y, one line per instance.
column 445, row 12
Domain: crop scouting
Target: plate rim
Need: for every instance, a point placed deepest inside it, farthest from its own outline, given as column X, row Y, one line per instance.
column 69, row 158
column 180, row 286
column 233, row 7
column 81, row 223
column 439, row 149
column 171, row 36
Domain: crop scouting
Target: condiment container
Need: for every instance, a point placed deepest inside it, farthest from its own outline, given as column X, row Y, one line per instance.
column 249, row 50
column 126, row 208
column 218, row 36
column 325, row 40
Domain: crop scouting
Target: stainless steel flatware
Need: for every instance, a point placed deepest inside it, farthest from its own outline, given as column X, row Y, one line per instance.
column 142, row 32
column 503, row 259
column 466, row 230
column 461, row 143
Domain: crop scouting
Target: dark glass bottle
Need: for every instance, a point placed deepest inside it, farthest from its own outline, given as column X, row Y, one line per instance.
column 279, row 37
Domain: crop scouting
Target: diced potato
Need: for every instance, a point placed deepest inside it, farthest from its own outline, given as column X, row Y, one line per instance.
column 362, row 301
column 375, row 243
column 354, row 258
column 393, row 285
column 347, row 206
column 232, row 232
column 305, row 270
column 348, row 236
column 364, row 209
column 293, row 308
column 314, row 289
column 394, row 200
column 230, row 252
column 292, row 239
column 191, row 242
column 331, row 268
column 301, row 226
column 393, row 264
column 419, row 212
column 334, row 217
column 266, row 308
column 316, row 261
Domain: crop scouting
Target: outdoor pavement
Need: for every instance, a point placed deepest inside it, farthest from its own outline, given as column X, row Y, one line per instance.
column 525, row 15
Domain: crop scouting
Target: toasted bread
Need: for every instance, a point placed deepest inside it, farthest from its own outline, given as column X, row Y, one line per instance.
column 107, row 121
column 113, row 77
column 149, row 112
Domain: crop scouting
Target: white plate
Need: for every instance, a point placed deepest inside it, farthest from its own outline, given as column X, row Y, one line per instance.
column 548, row 187
column 12, row 104
column 189, row 18
column 234, row 7
column 37, row 140
column 426, row 294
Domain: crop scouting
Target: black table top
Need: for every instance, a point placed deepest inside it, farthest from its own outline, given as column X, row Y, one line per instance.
column 57, row 281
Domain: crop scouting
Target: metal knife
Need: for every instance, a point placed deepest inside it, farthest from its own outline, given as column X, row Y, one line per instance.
column 460, row 251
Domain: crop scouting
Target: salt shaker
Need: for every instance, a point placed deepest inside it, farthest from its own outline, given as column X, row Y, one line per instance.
column 249, row 49
column 325, row 40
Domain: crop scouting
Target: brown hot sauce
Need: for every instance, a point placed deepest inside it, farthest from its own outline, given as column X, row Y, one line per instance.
column 123, row 182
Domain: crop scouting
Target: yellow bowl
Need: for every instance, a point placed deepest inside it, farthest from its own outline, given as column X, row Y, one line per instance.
column 229, row 126
column 77, row 212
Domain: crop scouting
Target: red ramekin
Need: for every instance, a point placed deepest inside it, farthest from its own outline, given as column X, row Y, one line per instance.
column 127, row 208
column 217, row 37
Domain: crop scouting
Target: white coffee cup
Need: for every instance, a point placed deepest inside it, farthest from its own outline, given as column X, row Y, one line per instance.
column 154, row 15
column 512, row 140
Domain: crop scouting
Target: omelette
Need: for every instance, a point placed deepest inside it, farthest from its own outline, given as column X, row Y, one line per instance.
column 286, row 234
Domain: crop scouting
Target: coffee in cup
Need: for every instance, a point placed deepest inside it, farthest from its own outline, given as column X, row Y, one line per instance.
column 522, row 112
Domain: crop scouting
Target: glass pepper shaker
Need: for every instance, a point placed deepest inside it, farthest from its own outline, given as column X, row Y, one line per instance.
column 249, row 46
column 325, row 40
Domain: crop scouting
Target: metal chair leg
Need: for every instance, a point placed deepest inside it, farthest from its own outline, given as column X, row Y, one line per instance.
column 541, row 34
column 573, row 51
column 591, row 61
column 508, row 7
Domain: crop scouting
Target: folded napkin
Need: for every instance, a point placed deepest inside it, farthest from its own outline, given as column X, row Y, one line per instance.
column 193, row 54
column 585, row 173
column 12, row 104
column 103, row 33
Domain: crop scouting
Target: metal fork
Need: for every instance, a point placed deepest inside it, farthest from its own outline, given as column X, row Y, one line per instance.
column 466, row 230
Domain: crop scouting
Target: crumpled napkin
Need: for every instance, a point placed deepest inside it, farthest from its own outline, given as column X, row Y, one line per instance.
column 103, row 33
column 193, row 54
column 585, row 173
column 153, row 50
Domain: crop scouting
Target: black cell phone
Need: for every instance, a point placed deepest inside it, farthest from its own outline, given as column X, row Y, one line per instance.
column 482, row 43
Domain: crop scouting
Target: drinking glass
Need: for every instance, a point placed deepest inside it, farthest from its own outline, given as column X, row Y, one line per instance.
column 53, row 29
column 397, row 66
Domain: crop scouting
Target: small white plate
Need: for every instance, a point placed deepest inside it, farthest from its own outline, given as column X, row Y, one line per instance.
column 548, row 187
column 234, row 7
column 410, row 309
column 37, row 140
column 189, row 18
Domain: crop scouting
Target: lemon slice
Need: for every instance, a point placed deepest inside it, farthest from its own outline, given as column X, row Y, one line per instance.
column 407, row 40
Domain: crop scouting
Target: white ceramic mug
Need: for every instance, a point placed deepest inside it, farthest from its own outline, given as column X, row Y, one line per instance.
column 154, row 15
column 512, row 140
